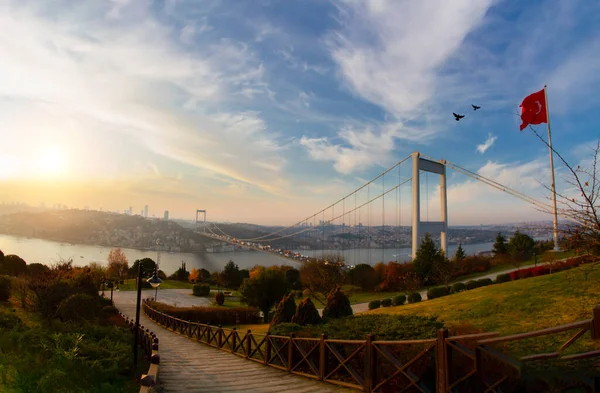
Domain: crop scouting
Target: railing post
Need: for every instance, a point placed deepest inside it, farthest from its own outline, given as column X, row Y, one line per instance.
column 596, row 324
column 248, row 343
column 369, row 363
column 233, row 339
column 290, row 351
column 322, row 357
column 267, row 348
column 441, row 366
column 220, row 337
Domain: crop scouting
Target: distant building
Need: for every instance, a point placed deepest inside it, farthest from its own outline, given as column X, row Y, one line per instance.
column 166, row 217
column 145, row 211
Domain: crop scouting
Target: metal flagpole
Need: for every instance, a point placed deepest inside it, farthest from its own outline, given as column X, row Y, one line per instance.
column 555, row 215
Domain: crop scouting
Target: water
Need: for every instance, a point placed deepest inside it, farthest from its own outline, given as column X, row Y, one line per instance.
column 373, row 255
column 48, row 252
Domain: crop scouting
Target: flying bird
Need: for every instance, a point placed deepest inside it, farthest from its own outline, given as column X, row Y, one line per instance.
column 457, row 117
column 475, row 107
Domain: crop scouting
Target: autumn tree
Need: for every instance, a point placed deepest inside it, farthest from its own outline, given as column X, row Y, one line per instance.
column 264, row 289
column 117, row 264
column 321, row 277
column 194, row 275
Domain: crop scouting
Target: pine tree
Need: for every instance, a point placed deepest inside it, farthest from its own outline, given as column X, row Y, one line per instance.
column 460, row 254
column 500, row 246
column 428, row 256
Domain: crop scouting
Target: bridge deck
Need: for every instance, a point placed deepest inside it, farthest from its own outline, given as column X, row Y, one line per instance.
column 189, row 366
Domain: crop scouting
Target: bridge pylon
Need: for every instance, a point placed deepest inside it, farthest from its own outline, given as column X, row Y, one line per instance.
column 419, row 228
column 203, row 212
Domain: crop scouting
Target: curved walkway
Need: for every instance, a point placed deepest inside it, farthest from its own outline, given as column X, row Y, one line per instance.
column 189, row 366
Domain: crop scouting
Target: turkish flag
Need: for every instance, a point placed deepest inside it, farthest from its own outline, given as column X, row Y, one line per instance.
column 533, row 109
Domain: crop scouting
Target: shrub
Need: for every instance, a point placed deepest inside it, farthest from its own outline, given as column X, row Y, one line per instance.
column 473, row 264
column 414, row 297
column 220, row 298
column 306, row 313
column 201, row 290
column 299, row 294
column 306, row 292
column 459, row 287
column 78, row 307
column 5, row 285
column 502, row 278
column 285, row 310
column 484, row 282
column 386, row 302
column 374, row 304
column 472, row 284
column 8, row 320
column 211, row 315
column 399, row 300
column 110, row 310
column 436, row 292
column 337, row 305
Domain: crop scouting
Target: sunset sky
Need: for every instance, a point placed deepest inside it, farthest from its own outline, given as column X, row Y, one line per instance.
column 266, row 111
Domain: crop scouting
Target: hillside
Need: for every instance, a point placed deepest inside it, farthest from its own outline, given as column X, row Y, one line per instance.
column 518, row 307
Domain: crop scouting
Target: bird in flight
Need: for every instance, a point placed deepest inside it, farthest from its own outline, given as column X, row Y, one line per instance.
column 457, row 117
column 475, row 107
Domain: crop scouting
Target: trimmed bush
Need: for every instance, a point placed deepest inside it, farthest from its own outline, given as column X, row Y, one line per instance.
column 414, row 297
column 472, row 284
column 285, row 310
column 459, row 287
column 484, row 282
column 110, row 310
column 211, row 315
column 306, row 313
column 374, row 304
column 436, row 292
column 386, row 302
column 78, row 307
column 502, row 278
column 201, row 290
column 337, row 305
column 5, row 285
column 399, row 300
column 220, row 298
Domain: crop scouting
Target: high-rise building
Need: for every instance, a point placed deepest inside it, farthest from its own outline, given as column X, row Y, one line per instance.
column 145, row 211
column 166, row 217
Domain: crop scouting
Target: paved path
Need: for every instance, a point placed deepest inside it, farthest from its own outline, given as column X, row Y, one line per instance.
column 189, row 366
column 174, row 297
column 363, row 307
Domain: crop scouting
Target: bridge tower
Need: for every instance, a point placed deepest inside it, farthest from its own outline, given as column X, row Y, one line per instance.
column 419, row 228
column 203, row 213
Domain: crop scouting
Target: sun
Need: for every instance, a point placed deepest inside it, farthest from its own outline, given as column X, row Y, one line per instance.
column 52, row 161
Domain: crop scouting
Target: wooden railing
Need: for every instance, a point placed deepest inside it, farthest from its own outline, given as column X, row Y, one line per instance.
column 458, row 364
column 148, row 343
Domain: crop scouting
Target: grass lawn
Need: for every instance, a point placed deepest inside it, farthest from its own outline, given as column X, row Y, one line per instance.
column 166, row 284
column 518, row 307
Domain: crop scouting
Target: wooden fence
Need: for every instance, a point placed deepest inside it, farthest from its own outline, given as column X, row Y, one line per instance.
column 458, row 364
column 148, row 343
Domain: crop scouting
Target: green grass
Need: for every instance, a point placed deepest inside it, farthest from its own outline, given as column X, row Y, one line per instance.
column 166, row 284
column 518, row 307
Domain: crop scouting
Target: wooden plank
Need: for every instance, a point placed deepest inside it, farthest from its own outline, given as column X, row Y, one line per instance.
column 540, row 356
column 584, row 355
column 501, row 356
column 405, row 342
column 572, row 340
column 472, row 336
column 543, row 332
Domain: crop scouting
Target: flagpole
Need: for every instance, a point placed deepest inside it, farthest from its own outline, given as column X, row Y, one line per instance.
column 555, row 215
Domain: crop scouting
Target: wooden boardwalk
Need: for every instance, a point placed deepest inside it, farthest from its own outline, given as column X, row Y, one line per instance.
column 189, row 366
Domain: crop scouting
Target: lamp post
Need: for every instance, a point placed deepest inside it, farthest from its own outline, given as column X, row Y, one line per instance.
column 154, row 281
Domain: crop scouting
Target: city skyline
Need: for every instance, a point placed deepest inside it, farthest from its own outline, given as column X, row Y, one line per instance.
column 265, row 113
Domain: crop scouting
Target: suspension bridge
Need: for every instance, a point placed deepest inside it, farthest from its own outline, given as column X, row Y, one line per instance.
column 373, row 217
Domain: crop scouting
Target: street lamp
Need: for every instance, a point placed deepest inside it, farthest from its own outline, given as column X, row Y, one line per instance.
column 154, row 282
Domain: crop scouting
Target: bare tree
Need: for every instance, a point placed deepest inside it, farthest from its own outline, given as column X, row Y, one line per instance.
column 322, row 276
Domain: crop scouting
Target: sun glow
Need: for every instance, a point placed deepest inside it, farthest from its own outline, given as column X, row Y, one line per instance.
column 52, row 162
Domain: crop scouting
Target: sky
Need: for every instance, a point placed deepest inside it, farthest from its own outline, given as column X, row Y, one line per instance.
column 267, row 111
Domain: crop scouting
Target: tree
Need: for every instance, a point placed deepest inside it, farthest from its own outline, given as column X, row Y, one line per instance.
column 338, row 305
column 500, row 245
column 117, row 264
column 380, row 270
column 460, row 254
column 36, row 269
column 13, row 265
column 194, row 275
column 444, row 272
column 230, row 276
column 394, row 273
column 306, row 313
column 321, row 277
column 264, row 289
column 203, row 275
column 293, row 278
column 427, row 256
column 364, row 276
column 148, row 265
column 180, row 274
column 285, row 310
column 520, row 248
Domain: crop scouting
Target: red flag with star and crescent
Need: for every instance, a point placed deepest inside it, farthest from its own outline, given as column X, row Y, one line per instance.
column 533, row 109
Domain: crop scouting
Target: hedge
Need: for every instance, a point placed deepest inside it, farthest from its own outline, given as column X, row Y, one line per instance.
column 503, row 278
column 414, row 297
column 472, row 284
column 459, row 287
column 484, row 282
column 211, row 315
column 399, row 300
column 201, row 290
column 374, row 304
column 386, row 302
column 436, row 292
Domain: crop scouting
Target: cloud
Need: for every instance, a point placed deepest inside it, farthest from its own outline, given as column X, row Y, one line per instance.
column 106, row 76
column 482, row 148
